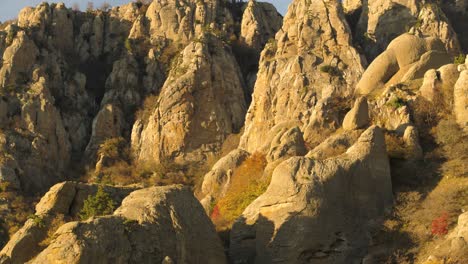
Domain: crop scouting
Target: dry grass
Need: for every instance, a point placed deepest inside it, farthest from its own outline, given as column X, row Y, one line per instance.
column 246, row 185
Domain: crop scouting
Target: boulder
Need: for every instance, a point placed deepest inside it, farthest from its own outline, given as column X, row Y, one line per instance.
column 358, row 117
column 151, row 226
column 334, row 145
column 407, row 57
column 63, row 201
column 317, row 210
column 287, row 143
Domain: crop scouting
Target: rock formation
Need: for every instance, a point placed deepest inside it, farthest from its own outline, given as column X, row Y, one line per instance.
column 461, row 99
column 260, row 22
column 358, row 117
column 151, row 226
column 200, row 104
column 407, row 57
column 382, row 21
column 63, row 201
column 310, row 59
column 303, row 215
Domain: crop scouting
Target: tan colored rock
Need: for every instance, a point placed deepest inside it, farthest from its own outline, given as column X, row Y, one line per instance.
column 260, row 22
column 287, row 143
column 312, row 58
column 184, row 20
column 390, row 109
column 152, row 226
column 411, row 139
column 382, row 21
column 358, row 116
column 407, row 57
column 63, row 201
column 107, row 124
column 200, row 104
column 330, row 201
column 351, row 6
column 460, row 95
column 18, row 60
column 334, row 145
column 432, row 22
column 438, row 84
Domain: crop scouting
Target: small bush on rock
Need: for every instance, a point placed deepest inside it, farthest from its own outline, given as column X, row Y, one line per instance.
column 99, row 204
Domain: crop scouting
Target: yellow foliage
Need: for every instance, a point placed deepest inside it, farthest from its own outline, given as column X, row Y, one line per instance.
column 247, row 183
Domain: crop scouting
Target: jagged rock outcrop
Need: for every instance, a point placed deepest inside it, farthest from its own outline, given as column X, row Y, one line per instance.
column 438, row 84
column 407, row 57
column 287, row 143
column 153, row 225
column 351, row 6
column 311, row 58
column 184, row 20
column 260, row 22
column 217, row 180
column 334, row 145
column 39, row 136
column 460, row 95
column 18, row 60
column 303, row 215
column 63, row 201
column 358, row 117
column 107, row 124
column 382, row 21
column 200, row 104
column 390, row 110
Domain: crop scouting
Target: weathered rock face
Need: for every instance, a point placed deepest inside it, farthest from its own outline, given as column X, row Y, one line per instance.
column 151, row 226
column 260, row 22
column 407, row 57
column 304, row 214
column 200, row 104
column 439, row 83
column 18, row 60
column 63, row 201
column 390, row 110
column 184, row 20
column 107, row 124
column 217, row 180
column 311, row 58
column 461, row 100
column 358, row 117
column 384, row 20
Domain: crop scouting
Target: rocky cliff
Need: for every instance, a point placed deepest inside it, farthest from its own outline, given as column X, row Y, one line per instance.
column 337, row 134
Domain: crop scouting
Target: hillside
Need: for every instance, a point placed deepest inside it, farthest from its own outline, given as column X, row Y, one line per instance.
column 214, row 131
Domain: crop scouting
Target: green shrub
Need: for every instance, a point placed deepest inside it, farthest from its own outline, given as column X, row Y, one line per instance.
column 99, row 204
column 38, row 221
column 330, row 70
column 396, row 102
column 114, row 149
column 460, row 59
column 128, row 45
